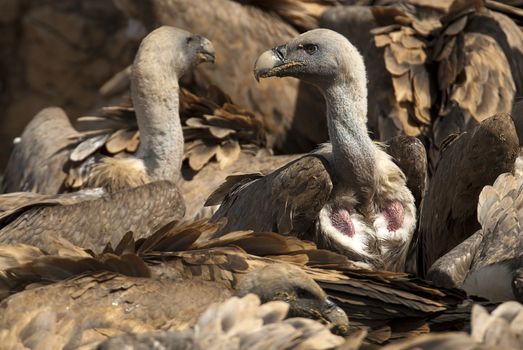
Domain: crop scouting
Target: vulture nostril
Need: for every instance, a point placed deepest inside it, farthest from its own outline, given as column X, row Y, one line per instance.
column 329, row 303
column 280, row 51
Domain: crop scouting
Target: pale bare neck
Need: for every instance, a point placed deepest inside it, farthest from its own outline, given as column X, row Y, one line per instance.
column 155, row 94
column 353, row 151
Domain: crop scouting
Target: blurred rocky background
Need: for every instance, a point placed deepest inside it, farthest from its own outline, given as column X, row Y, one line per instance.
column 57, row 52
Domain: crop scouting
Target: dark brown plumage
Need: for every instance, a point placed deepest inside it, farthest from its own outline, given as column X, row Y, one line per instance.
column 409, row 154
column 392, row 305
column 305, row 180
column 469, row 162
column 90, row 221
column 488, row 263
column 438, row 68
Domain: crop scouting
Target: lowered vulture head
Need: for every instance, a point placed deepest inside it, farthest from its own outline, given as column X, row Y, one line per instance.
column 289, row 283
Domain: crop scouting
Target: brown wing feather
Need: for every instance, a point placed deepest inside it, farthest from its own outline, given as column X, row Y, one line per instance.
column 505, row 27
column 485, row 86
column 374, row 299
column 391, row 304
column 12, row 204
column 94, row 223
column 197, row 187
column 479, row 69
column 37, row 161
column 451, row 269
column 286, row 201
column 409, row 154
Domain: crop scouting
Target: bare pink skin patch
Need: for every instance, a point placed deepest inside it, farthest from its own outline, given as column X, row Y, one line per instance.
column 394, row 214
column 340, row 219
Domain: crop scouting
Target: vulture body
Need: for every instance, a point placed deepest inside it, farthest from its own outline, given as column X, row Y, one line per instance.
column 469, row 162
column 89, row 219
column 163, row 57
column 237, row 324
column 390, row 305
column 489, row 262
column 119, row 304
column 349, row 196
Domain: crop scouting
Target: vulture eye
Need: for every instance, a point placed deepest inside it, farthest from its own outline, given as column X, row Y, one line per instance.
column 310, row 48
column 303, row 293
column 189, row 39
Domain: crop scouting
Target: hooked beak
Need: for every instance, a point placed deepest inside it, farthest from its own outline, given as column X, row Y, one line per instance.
column 336, row 317
column 273, row 62
column 206, row 53
column 325, row 311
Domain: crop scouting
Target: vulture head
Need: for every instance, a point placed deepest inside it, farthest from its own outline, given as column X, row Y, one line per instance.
column 292, row 285
column 173, row 47
column 316, row 57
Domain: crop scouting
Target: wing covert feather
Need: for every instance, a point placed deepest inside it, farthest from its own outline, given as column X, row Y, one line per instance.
column 37, row 161
column 287, row 200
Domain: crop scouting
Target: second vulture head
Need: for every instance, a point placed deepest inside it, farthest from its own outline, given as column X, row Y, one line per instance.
column 290, row 284
column 175, row 48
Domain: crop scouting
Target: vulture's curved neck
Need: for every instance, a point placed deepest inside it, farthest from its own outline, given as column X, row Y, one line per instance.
column 155, row 94
column 353, row 151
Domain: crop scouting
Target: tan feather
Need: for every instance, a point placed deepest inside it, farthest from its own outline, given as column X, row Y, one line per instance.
column 120, row 140
column 118, row 173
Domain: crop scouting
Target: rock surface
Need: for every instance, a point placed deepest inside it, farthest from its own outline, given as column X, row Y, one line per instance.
column 57, row 53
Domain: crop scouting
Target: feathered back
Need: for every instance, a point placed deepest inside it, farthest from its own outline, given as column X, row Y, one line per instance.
column 239, row 323
column 391, row 304
column 215, row 129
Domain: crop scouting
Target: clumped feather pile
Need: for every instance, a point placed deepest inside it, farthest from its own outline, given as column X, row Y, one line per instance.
column 114, row 266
